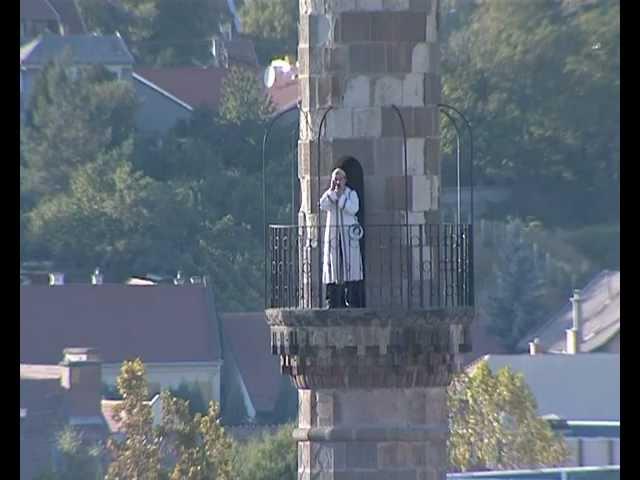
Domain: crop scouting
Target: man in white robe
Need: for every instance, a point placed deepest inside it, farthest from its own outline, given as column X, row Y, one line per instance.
column 341, row 260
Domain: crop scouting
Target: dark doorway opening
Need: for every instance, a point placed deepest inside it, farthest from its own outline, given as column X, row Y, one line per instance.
column 355, row 181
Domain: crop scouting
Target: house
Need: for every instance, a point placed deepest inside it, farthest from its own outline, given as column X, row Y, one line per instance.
column 254, row 390
column 193, row 86
column 53, row 396
column 173, row 329
column 116, row 428
column 60, row 17
column 594, row 314
column 158, row 109
column 580, row 397
column 283, row 88
column 109, row 51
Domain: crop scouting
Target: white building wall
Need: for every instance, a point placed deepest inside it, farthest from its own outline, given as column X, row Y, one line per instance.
column 573, row 444
column 616, row 451
column 592, row 452
column 170, row 375
column 595, row 452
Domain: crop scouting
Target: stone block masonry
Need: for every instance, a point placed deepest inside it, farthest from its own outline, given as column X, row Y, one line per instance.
column 371, row 382
column 372, row 388
column 361, row 57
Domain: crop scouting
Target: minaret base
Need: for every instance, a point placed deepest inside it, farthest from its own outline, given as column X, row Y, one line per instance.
column 358, row 434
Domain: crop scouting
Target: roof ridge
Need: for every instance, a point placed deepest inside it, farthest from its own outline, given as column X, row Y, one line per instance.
column 567, row 305
column 162, row 91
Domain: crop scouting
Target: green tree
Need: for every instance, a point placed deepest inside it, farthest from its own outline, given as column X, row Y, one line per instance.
column 137, row 457
column 272, row 456
column 80, row 460
column 192, row 394
column 142, row 205
column 517, row 305
column 115, row 217
column 199, row 443
column 542, row 83
column 494, row 424
column 72, row 121
column 184, row 447
column 242, row 97
column 273, row 24
column 160, row 32
column 103, row 17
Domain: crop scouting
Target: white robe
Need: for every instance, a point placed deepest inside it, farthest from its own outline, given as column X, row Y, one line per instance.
column 341, row 215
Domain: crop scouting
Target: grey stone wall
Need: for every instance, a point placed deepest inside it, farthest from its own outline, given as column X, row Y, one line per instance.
column 369, row 348
column 363, row 59
column 343, row 434
column 372, row 382
column 372, row 388
column 360, row 57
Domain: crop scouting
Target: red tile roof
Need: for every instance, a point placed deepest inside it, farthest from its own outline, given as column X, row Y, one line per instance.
column 162, row 323
column 193, row 85
column 285, row 95
column 108, row 407
column 248, row 338
column 108, row 412
column 285, row 91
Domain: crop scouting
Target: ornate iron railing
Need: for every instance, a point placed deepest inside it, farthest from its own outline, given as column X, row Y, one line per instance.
column 403, row 266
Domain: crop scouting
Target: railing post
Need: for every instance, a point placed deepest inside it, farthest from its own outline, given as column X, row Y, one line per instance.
column 265, row 141
column 294, row 252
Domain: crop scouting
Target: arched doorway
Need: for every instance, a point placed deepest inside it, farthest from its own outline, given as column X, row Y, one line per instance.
column 355, row 181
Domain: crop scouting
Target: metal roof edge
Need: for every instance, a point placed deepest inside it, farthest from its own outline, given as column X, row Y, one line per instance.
column 506, row 473
column 526, row 338
column 160, row 90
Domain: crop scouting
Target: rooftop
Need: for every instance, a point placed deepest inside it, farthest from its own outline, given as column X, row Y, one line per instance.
column 85, row 50
column 194, row 86
column 600, row 317
column 247, row 336
column 573, row 387
column 161, row 323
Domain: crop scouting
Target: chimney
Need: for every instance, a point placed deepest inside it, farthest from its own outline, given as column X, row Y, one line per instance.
column 56, row 278
column 535, row 348
column 96, row 278
column 82, row 379
column 574, row 334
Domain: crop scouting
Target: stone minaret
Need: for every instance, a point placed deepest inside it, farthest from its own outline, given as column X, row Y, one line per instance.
column 375, row 64
column 372, row 381
column 362, row 57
